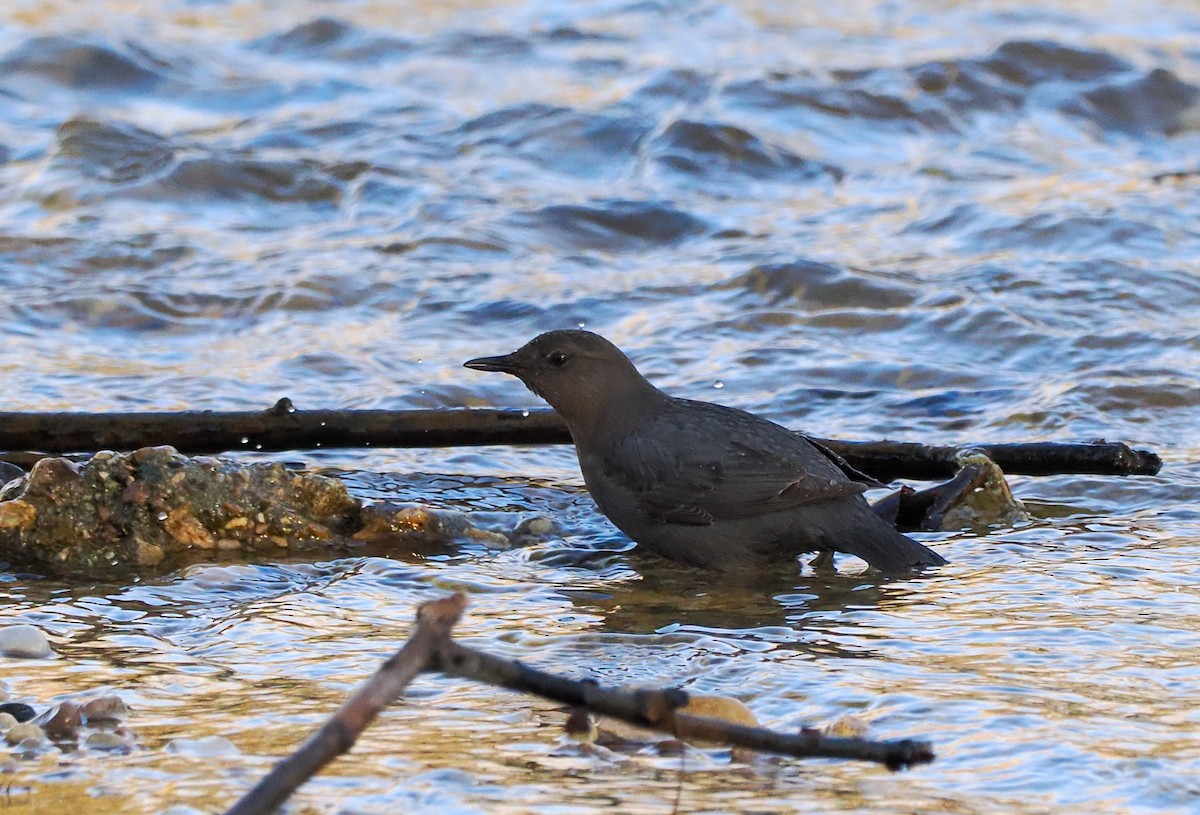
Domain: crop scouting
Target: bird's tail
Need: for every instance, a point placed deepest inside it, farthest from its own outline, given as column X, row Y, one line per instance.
column 886, row 549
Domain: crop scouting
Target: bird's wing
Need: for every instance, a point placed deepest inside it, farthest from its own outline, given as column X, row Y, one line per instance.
column 851, row 472
column 739, row 478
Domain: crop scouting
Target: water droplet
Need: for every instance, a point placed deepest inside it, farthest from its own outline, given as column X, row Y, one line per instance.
column 718, row 384
column 419, row 360
column 291, row 408
column 245, row 439
column 322, row 424
column 581, row 323
column 524, row 414
column 258, row 447
column 162, row 516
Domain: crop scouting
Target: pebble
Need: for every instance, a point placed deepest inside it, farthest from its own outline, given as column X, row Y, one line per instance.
column 18, row 710
column 25, row 641
column 25, row 732
column 105, row 708
column 7, row 722
column 62, row 722
column 106, row 740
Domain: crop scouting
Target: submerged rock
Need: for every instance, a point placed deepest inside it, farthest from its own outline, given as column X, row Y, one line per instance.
column 421, row 526
column 108, row 740
column 25, row 734
column 93, row 722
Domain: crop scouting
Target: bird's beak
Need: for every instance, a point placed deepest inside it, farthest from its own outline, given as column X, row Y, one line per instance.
column 506, row 364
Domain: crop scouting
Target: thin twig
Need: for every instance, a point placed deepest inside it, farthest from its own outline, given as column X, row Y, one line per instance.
column 658, row 710
column 431, row 648
column 434, row 621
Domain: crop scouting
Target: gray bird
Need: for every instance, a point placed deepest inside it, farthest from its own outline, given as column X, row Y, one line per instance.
column 705, row 484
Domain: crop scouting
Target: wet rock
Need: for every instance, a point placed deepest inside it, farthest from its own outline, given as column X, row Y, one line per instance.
column 156, row 507
column 846, row 727
column 422, row 527
column 18, row 710
column 611, row 732
column 104, row 709
column 7, row 722
column 977, row 497
column 24, row 641
column 8, row 472
column 989, row 502
column 533, row 530
column 62, row 722
column 109, row 740
column 26, row 734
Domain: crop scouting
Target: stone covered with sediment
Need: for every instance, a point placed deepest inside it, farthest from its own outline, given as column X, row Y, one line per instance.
column 154, row 506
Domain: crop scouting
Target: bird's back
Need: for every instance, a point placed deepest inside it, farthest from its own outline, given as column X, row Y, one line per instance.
column 722, row 488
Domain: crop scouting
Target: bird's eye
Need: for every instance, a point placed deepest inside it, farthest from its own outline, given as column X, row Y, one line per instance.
column 557, row 359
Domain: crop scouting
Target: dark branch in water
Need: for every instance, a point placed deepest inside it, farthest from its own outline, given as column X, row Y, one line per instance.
column 337, row 736
column 284, row 428
column 430, row 648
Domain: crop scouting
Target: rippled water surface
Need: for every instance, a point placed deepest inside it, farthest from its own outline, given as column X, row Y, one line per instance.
column 936, row 221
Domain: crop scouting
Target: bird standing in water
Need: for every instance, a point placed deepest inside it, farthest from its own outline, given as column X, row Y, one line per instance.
column 705, row 484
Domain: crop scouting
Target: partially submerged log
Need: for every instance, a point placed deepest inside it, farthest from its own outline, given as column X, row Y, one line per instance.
column 282, row 427
column 431, row 648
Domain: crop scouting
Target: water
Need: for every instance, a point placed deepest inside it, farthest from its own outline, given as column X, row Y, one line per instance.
column 930, row 221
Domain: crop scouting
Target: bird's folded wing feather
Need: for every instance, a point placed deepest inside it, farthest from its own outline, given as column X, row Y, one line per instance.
column 689, row 485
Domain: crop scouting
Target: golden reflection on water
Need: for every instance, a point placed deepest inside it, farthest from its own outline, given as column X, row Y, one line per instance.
column 989, row 663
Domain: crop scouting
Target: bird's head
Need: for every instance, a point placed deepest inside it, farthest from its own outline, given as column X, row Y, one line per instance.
column 581, row 374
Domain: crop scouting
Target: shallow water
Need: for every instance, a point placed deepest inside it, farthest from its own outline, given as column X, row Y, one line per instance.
column 931, row 221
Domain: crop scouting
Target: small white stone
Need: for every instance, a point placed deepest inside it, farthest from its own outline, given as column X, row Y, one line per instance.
column 24, row 641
